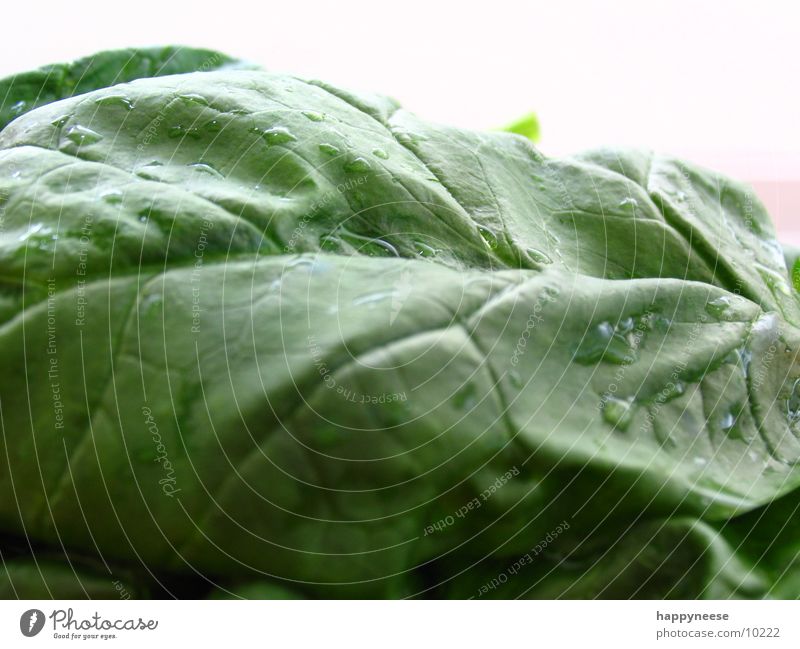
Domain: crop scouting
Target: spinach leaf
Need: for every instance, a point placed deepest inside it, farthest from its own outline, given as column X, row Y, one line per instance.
column 527, row 126
column 259, row 328
column 24, row 92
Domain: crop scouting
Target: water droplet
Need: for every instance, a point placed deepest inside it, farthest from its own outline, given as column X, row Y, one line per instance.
column 115, row 100
column 424, row 250
column 183, row 131
column 358, row 165
column 275, row 135
column 409, row 138
column 728, row 424
column 719, row 306
column 604, row 343
column 618, row 412
column 672, row 390
column 313, row 115
column 149, row 171
column 466, row 398
column 112, row 196
column 212, row 126
column 626, row 325
column 629, row 201
column 43, row 244
column 18, row 108
column 774, row 251
column 194, row 98
column 369, row 246
column 36, row 228
column 205, row 168
column 329, row 243
column 745, row 358
column 328, row 149
column 380, row 153
column 151, row 304
column 488, row 236
column 681, row 196
column 81, row 135
column 778, row 285
column 793, row 404
column 659, row 323
column 60, row 122
column 538, row 256
column 380, row 243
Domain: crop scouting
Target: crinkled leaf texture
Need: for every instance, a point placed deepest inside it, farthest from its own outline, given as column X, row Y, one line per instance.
column 261, row 336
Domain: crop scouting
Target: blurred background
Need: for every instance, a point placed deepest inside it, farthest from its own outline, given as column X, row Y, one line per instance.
column 713, row 82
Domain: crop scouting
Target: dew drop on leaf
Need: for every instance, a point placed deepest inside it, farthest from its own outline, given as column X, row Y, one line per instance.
column 489, row 237
column 466, row 398
column 330, row 244
column 151, row 304
column 115, row 100
column 204, row 167
column 604, row 343
column 60, row 122
column 81, row 135
column 194, row 98
column 774, row 281
column 719, row 306
column 358, row 165
column 424, row 250
column 112, row 197
column 275, row 135
column 328, row 149
column 618, row 412
column 671, row 391
column 793, row 404
column 182, row 131
column 314, row 116
column 538, row 256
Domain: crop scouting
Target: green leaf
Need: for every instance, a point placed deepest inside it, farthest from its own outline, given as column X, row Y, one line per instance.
column 24, row 92
column 260, row 328
column 527, row 126
column 50, row 579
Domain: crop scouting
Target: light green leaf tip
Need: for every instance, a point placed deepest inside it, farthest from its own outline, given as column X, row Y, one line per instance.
column 527, row 126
